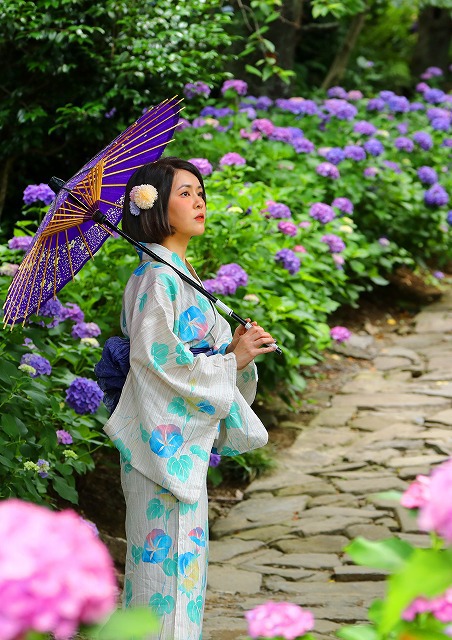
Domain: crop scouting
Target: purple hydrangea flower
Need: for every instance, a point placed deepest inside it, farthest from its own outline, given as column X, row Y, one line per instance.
column 84, row 395
column 340, row 334
column 423, row 139
column 421, row 87
column 434, row 96
column 289, row 260
column 64, row 437
column 404, row 144
column 431, row 72
column 263, row 103
column 374, row 147
column 281, row 134
column 436, row 196
column 375, row 104
column 249, row 112
column 239, row 86
column 384, row 242
column 85, row 330
column 335, row 155
column 354, row 152
column 365, row 128
column 232, row 159
column 337, row 92
column 440, row 124
column 72, row 312
column 203, row 165
column 335, row 244
column 402, row 128
column 427, row 175
column 20, row 242
column 447, row 142
column 322, row 212
column 288, row 228
column 183, row 124
column 277, row 210
column 303, row 145
column 449, row 217
column 308, row 108
column 52, row 309
column 224, row 285
column 343, row 204
column 398, row 104
column 41, row 365
column 370, row 172
column 112, row 113
column 328, row 170
column 214, row 460
column 439, row 275
column 393, row 166
column 198, row 88
column 38, row 193
column 44, row 467
column 386, row 95
column 234, row 271
column 437, row 112
column 341, row 109
column 263, row 125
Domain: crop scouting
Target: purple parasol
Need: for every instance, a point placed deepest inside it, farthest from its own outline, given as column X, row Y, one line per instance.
column 68, row 235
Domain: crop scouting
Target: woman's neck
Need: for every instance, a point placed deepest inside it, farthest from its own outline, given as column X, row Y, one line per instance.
column 176, row 245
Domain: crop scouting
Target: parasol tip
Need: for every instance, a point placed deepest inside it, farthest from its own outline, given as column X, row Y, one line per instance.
column 56, row 184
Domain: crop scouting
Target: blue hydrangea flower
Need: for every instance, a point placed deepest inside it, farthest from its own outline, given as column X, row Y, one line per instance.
column 289, row 260
column 322, row 212
column 354, row 152
column 41, row 365
column 436, row 196
column 427, row 175
column 423, row 139
column 374, row 147
column 335, row 243
column 84, row 395
column 335, row 155
column 38, row 193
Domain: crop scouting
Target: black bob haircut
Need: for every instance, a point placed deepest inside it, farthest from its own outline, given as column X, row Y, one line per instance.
column 152, row 225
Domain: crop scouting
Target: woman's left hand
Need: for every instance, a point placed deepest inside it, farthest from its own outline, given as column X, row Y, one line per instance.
column 238, row 333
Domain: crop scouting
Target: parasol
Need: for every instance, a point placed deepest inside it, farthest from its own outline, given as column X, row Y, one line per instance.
column 69, row 236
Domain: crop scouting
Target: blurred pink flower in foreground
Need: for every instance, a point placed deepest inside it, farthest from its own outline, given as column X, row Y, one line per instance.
column 279, row 619
column 417, row 494
column 55, row 574
column 436, row 514
column 340, row 334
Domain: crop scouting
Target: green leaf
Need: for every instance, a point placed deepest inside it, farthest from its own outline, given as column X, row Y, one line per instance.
column 128, row 624
column 357, row 632
column 64, row 490
column 390, row 554
column 427, row 573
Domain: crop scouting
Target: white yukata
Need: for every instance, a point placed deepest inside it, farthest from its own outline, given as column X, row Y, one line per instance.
column 173, row 409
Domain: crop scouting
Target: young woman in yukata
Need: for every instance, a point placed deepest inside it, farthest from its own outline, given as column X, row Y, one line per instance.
column 188, row 390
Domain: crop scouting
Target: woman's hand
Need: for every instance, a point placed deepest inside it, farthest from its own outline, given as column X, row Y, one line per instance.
column 238, row 333
column 250, row 343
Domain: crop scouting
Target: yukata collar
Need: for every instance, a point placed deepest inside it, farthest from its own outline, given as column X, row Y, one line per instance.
column 169, row 256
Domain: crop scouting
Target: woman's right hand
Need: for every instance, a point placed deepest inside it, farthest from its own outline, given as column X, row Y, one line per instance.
column 251, row 344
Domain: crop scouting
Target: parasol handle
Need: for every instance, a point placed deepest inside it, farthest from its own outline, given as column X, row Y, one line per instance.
column 102, row 219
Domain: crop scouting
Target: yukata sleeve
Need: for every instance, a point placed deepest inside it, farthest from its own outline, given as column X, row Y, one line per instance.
column 167, row 418
column 241, row 430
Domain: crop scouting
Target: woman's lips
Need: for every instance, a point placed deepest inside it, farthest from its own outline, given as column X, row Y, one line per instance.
column 200, row 218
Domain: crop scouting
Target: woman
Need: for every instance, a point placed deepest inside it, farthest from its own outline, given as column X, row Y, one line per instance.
column 175, row 407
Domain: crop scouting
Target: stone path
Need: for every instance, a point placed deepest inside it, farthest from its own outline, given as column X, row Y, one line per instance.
column 285, row 540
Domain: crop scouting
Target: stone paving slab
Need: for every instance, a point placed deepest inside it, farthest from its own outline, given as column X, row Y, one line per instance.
column 286, row 540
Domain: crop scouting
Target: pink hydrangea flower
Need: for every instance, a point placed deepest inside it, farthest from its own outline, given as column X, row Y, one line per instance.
column 340, row 334
column 288, row 228
column 232, row 158
column 417, row 494
column 436, row 513
column 263, row 125
column 281, row 619
column 299, row 248
column 440, row 607
column 55, row 574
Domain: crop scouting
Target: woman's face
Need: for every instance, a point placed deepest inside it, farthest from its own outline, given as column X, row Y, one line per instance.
column 186, row 207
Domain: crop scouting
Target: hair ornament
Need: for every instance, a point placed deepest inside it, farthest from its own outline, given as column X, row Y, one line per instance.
column 142, row 196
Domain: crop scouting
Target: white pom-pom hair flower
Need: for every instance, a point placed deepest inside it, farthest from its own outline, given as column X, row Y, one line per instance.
column 142, row 196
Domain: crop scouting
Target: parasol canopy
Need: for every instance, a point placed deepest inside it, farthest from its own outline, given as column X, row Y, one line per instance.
column 68, row 236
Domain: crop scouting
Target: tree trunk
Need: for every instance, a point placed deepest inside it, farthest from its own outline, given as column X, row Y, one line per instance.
column 5, row 170
column 285, row 33
column 434, row 40
column 340, row 62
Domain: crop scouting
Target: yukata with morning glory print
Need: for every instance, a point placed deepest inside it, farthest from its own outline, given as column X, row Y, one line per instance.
column 174, row 408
